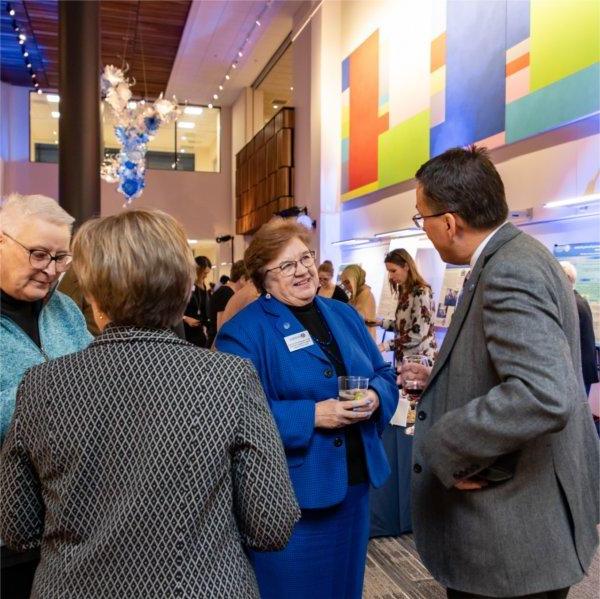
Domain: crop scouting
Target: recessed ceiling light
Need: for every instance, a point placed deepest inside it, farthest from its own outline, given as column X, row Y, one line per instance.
column 185, row 124
column 227, row 77
column 215, row 96
column 240, row 54
column 55, row 114
column 195, row 110
column 182, row 151
column 220, row 87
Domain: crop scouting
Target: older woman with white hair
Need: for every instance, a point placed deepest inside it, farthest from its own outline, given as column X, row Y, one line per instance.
column 36, row 324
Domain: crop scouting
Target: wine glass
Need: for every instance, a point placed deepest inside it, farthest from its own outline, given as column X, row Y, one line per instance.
column 412, row 388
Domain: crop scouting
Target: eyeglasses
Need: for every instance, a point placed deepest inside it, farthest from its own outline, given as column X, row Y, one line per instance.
column 419, row 220
column 288, row 269
column 41, row 259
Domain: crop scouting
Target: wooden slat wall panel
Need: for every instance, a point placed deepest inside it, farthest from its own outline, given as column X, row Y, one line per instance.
column 265, row 173
column 145, row 34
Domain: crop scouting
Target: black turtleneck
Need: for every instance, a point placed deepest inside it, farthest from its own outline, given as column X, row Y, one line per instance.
column 24, row 314
column 310, row 317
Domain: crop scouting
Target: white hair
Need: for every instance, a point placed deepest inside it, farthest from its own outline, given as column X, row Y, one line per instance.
column 570, row 271
column 17, row 209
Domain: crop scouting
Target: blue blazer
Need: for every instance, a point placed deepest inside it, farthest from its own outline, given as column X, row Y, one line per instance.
column 295, row 381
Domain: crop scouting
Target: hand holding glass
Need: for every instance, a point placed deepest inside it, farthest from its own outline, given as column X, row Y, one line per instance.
column 352, row 387
column 412, row 385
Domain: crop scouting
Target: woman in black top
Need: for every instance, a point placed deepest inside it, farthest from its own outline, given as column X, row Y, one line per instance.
column 326, row 286
column 196, row 319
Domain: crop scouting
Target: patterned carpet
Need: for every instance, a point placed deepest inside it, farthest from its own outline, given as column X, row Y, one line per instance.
column 394, row 571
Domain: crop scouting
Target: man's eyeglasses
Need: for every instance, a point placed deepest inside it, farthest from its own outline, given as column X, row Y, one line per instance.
column 288, row 269
column 40, row 259
column 419, row 220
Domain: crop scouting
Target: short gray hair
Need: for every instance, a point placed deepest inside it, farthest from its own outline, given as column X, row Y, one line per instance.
column 17, row 209
column 570, row 271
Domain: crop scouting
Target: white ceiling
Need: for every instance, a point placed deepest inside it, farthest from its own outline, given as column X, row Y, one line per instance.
column 214, row 32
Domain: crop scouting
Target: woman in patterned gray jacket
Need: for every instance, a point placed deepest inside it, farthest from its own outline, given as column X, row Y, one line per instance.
column 142, row 465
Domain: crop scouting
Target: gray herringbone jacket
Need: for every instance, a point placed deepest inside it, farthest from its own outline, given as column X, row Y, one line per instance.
column 143, row 464
column 506, row 392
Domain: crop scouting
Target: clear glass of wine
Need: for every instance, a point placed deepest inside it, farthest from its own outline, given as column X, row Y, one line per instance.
column 412, row 388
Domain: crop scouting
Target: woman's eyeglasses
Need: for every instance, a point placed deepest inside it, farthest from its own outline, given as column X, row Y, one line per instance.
column 40, row 259
column 288, row 269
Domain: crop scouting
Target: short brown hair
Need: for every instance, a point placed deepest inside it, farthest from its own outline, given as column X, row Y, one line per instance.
column 326, row 266
column 465, row 181
column 238, row 270
column 268, row 242
column 137, row 266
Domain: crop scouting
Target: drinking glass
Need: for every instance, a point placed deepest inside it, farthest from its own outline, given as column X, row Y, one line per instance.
column 412, row 388
column 352, row 387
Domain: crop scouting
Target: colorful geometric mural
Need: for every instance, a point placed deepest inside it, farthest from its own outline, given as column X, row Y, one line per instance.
column 498, row 72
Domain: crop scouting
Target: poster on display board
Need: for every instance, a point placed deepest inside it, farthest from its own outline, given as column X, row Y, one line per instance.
column 585, row 257
column 454, row 277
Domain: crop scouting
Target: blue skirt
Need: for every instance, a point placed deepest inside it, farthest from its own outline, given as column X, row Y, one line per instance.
column 325, row 557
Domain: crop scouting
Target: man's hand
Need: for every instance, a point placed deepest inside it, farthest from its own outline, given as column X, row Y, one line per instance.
column 413, row 372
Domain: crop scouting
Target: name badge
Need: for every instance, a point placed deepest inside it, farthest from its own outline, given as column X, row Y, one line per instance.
column 298, row 341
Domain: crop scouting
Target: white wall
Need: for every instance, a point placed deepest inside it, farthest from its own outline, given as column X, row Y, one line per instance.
column 200, row 201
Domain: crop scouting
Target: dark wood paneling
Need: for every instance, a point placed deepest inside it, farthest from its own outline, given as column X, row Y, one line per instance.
column 144, row 34
column 265, row 173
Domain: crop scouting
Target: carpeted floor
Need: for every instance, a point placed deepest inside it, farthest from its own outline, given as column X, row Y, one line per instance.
column 394, row 571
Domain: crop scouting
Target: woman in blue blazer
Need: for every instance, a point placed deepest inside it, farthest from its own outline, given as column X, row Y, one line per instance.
column 300, row 343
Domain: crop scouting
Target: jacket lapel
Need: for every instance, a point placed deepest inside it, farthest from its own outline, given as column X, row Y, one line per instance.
column 502, row 236
column 287, row 324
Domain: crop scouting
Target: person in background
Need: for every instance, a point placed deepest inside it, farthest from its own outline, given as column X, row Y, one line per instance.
column 327, row 288
column 143, row 464
column 587, row 336
column 300, row 343
column 505, row 456
column 413, row 327
column 236, row 281
column 37, row 322
column 239, row 300
column 223, row 279
column 414, row 335
column 362, row 299
column 196, row 319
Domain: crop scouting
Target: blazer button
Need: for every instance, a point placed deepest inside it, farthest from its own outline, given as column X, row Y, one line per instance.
column 338, row 442
column 417, row 468
column 422, row 415
column 328, row 373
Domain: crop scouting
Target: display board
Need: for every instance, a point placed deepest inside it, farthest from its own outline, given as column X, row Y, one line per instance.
column 452, row 285
column 585, row 257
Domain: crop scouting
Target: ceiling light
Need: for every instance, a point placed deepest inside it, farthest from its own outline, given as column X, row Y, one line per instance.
column 234, row 65
column 358, row 241
column 21, row 41
column 53, row 98
column 257, row 22
column 39, row 91
column 183, row 138
column 54, row 132
column 55, row 114
column 584, row 199
column 29, row 65
column 22, row 37
column 194, row 110
column 11, row 12
column 221, row 87
column 240, row 53
column 56, row 142
column 227, row 77
column 25, row 54
column 210, row 105
column 182, row 151
column 410, row 232
column 192, row 241
column 185, row 125
column 292, row 89
column 215, row 96
column 275, row 107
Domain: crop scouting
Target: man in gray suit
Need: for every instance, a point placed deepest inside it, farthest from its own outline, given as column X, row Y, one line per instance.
column 505, row 461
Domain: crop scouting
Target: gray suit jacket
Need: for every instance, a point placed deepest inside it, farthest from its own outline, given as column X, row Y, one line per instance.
column 143, row 464
column 506, row 392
